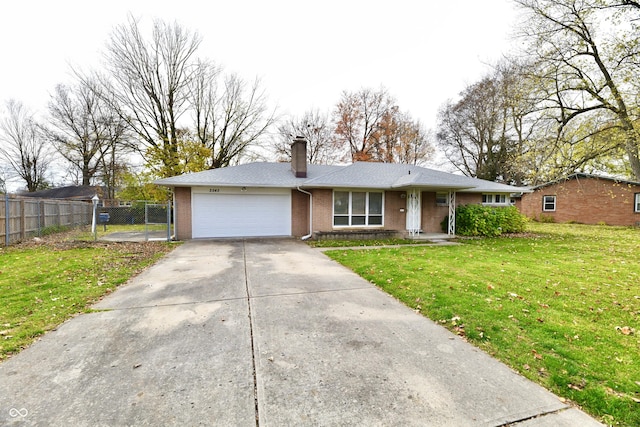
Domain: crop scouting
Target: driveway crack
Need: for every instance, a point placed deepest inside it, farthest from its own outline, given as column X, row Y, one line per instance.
column 253, row 346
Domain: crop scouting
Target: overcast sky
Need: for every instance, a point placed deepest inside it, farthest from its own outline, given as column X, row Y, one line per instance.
column 306, row 53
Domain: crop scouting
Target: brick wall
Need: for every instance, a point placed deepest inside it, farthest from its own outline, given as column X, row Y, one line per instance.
column 585, row 200
column 183, row 212
column 433, row 215
column 322, row 210
column 393, row 218
column 299, row 213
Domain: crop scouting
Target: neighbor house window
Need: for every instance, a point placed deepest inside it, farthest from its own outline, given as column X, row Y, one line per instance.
column 357, row 208
column 549, row 203
column 494, row 199
column 637, row 203
column 442, row 199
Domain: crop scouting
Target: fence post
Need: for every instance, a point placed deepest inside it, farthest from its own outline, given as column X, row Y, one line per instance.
column 23, row 221
column 7, row 228
column 168, row 221
column 40, row 214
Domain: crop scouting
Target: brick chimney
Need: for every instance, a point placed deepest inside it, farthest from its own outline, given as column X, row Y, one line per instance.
column 299, row 157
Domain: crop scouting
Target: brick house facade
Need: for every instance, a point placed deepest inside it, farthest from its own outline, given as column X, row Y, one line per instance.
column 263, row 199
column 585, row 199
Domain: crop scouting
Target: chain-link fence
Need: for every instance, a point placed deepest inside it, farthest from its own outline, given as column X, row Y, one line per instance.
column 132, row 219
column 22, row 218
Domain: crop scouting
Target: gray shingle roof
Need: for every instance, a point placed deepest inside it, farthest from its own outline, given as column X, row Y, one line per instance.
column 356, row 175
column 259, row 174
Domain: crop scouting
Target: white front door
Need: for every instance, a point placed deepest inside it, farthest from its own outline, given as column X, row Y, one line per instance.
column 414, row 214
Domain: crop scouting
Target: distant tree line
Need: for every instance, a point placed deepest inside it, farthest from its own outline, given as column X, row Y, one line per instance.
column 156, row 98
column 570, row 101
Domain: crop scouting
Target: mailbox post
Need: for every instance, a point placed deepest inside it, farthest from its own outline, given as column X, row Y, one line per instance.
column 103, row 218
column 94, row 200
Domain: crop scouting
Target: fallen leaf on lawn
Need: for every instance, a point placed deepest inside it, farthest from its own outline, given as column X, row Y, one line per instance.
column 575, row 387
column 526, row 367
column 625, row 330
column 536, row 355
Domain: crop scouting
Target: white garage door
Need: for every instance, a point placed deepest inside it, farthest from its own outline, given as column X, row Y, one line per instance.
column 242, row 214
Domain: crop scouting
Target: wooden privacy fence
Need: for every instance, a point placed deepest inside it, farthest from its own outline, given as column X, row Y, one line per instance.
column 22, row 218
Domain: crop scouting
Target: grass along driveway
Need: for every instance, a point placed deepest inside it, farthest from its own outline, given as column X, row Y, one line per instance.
column 560, row 306
column 43, row 284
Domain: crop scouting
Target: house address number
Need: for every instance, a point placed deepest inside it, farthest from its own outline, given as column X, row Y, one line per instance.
column 214, row 190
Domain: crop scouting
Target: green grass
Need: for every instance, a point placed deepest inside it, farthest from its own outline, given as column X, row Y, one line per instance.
column 561, row 306
column 43, row 285
column 119, row 228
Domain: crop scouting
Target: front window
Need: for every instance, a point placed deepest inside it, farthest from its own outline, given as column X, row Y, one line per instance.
column 357, row 208
column 494, row 199
column 637, row 203
column 549, row 203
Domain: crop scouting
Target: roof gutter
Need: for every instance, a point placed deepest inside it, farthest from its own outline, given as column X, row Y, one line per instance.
column 310, row 213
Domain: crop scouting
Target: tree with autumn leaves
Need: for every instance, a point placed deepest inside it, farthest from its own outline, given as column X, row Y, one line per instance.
column 373, row 128
column 365, row 126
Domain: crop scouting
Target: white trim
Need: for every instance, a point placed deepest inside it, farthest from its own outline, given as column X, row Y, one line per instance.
column 414, row 211
column 544, row 203
column 246, row 212
column 491, row 197
column 451, row 228
column 350, row 213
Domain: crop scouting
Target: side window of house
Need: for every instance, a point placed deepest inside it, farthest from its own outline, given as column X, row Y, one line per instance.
column 549, row 203
column 494, row 199
column 357, row 208
column 442, row 199
column 637, row 203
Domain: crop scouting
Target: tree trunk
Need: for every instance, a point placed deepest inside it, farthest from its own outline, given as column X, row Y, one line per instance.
column 631, row 146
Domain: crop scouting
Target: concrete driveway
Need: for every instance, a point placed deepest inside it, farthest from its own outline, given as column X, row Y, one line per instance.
column 262, row 333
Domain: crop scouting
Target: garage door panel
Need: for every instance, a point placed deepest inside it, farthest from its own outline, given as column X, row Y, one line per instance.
column 241, row 215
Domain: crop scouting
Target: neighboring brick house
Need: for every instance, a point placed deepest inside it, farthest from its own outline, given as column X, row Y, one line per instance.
column 585, row 199
column 281, row 199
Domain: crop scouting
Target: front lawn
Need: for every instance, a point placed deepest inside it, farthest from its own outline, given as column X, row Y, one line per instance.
column 42, row 284
column 560, row 305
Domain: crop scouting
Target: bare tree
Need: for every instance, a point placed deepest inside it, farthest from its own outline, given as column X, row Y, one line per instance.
column 229, row 117
column 413, row 145
column 593, row 71
column 23, row 146
column 317, row 129
column 148, row 82
column 358, row 116
column 472, row 131
column 86, row 131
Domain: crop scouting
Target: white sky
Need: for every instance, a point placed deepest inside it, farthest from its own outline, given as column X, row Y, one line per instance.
column 423, row 52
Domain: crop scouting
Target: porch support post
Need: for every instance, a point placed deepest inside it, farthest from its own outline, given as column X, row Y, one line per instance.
column 414, row 218
column 451, row 229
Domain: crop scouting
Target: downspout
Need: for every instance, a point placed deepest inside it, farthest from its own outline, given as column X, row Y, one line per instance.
column 174, row 217
column 310, row 213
